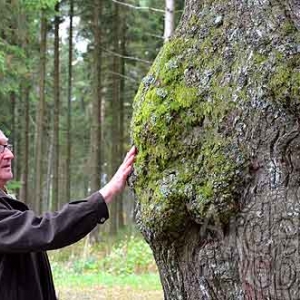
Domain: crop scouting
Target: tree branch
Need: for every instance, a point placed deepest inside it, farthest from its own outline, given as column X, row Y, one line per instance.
column 139, row 7
column 127, row 57
column 154, row 35
column 123, row 76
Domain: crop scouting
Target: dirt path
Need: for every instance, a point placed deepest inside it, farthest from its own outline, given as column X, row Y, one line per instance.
column 104, row 293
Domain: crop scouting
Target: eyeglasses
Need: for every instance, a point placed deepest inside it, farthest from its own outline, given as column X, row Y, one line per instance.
column 3, row 147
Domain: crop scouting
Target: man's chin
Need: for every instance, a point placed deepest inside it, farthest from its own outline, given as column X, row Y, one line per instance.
column 7, row 177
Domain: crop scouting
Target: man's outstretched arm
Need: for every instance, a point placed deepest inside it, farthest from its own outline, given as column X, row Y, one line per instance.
column 23, row 231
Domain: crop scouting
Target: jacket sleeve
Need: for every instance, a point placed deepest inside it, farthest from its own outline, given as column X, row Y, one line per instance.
column 23, row 231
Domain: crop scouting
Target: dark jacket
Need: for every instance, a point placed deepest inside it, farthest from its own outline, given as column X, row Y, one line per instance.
column 25, row 272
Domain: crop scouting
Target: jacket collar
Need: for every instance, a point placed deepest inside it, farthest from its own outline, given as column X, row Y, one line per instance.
column 16, row 204
column 3, row 192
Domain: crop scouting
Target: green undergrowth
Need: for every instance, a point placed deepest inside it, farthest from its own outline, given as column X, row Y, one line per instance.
column 67, row 279
column 118, row 261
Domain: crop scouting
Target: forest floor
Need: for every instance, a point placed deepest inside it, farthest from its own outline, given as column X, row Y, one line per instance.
column 107, row 293
column 123, row 271
column 104, row 286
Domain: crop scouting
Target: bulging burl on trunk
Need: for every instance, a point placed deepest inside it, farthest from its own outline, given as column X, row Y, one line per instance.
column 188, row 162
column 216, row 122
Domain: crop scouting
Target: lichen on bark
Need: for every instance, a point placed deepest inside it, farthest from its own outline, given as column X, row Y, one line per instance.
column 191, row 111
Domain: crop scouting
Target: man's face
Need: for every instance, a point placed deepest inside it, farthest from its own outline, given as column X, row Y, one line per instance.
column 5, row 162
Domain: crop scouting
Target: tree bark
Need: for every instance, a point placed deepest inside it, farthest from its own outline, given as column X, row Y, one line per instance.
column 96, row 108
column 55, row 178
column 12, row 98
column 40, row 116
column 169, row 19
column 216, row 122
column 25, row 88
column 96, row 113
column 121, row 211
column 47, row 203
column 115, row 117
column 69, row 124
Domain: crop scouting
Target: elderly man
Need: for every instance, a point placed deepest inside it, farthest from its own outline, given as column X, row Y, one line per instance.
column 25, row 272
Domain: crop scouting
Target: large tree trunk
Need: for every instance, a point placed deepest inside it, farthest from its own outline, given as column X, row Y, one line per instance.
column 216, row 122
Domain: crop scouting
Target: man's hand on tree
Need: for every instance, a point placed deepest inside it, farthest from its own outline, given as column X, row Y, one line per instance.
column 117, row 184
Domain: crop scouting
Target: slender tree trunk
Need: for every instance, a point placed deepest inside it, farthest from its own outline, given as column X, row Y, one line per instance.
column 55, row 185
column 47, row 204
column 169, row 19
column 96, row 111
column 15, row 136
column 217, row 175
column 69, row 124
column 12, row 97
column 25, row 145
column 121, row 108
column 40, row 116
column 24, row 128
column 17, row 144
column 115, row 117
column 96, row 107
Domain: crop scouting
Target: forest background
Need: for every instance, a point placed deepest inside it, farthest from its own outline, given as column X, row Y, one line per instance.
column 69, row 72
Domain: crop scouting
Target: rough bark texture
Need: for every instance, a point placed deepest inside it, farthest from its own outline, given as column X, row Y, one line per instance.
column 217, row 178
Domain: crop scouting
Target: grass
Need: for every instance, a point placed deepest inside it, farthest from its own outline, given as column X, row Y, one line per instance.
column 148, row 281
column 103, row 285
column 107, row 286
column 100, row 293
column 117, row 268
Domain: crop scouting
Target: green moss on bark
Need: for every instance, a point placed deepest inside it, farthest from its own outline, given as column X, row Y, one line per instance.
column 192, row 159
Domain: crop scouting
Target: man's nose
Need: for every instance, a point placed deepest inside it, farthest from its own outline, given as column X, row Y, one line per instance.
column 8, row 154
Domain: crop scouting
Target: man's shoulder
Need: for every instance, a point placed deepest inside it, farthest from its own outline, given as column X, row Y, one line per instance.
column 3, row 193
column 7, row 202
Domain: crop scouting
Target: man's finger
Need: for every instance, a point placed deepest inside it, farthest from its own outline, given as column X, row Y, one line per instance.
column 130, row 154
column 128, row 170
column 129, row 161
column 127, row 155
column 132, row 151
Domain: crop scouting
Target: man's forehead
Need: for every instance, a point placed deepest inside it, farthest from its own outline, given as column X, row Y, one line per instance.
column 3, row 138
